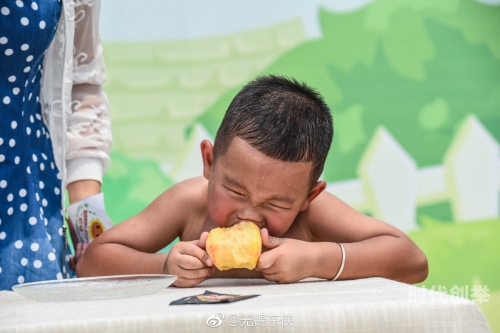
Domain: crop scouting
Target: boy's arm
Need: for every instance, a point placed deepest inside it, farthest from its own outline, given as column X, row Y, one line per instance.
column 130, row 247
column 116, row 251
column 372, row 247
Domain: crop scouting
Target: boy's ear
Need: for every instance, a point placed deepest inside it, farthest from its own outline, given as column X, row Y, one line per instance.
column 316, row 190
column 207, row 156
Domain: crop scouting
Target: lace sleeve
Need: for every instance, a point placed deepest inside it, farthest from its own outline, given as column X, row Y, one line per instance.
column 89, row 129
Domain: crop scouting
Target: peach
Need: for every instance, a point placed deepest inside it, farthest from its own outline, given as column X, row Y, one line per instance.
column 236, row 247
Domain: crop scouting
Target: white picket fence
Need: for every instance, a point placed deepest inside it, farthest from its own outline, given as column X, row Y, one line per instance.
column 391, row 186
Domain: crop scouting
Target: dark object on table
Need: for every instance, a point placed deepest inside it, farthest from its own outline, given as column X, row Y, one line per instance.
column 209, row 297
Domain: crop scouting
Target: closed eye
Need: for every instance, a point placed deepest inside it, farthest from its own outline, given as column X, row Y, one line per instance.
column 238, row 193
column 279, row 207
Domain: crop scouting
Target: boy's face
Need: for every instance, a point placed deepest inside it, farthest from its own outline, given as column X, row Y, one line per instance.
column 245, row 184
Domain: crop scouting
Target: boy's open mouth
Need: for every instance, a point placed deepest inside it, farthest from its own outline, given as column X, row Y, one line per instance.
column 259, row 225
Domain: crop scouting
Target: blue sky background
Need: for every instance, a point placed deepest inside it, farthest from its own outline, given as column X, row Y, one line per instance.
column 128, row 20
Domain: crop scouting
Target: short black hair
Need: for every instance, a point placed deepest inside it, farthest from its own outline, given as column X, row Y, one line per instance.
column 282, row 118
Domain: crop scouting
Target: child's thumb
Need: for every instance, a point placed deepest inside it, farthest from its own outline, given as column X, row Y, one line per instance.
column 202, row 242
column 269, row 241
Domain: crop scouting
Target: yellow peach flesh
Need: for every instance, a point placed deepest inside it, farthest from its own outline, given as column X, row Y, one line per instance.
column 236, row 247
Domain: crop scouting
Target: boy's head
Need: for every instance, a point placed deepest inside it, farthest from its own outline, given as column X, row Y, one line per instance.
column 282, row 118
column 268, row 155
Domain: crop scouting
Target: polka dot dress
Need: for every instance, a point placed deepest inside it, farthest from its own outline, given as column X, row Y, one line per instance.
column 31, row 235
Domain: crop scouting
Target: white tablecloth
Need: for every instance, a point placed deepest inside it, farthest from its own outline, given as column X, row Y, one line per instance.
column 367, row 305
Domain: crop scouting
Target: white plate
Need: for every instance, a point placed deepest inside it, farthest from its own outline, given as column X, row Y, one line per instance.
column 93, row 288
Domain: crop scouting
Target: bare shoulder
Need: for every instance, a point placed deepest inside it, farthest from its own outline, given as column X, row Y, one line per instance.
column 188, row 187
column 171, row 210
column 164, row 219
column 188, row 196
column 331, row 219
column 326, row 202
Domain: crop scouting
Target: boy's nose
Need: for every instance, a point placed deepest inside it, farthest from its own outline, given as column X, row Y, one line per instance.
column 250, row 213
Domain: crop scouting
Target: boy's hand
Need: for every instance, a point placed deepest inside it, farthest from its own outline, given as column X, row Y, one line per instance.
column 190, row 262
column 287, row 261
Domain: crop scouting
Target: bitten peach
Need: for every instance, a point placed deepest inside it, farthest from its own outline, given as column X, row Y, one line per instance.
column 239, row 246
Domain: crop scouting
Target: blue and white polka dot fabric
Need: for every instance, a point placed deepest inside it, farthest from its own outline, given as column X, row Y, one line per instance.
column 31, row 235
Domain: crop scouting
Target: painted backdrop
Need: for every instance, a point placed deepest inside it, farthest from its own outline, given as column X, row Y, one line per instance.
column 414, row 89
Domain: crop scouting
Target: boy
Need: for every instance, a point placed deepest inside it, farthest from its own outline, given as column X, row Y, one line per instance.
column 264, row 167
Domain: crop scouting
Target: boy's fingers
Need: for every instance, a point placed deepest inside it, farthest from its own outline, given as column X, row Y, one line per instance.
column 267, row 260
column 189, row 262
column 269, row 241
column 186, row 283
column 271, row 277
column 203, row 240
column 195, row 273
column 196, row 252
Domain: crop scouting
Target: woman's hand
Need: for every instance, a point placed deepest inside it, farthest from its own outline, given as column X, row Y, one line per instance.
column 77, row 191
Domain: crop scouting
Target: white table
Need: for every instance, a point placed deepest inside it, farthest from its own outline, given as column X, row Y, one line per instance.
column 367, row 305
